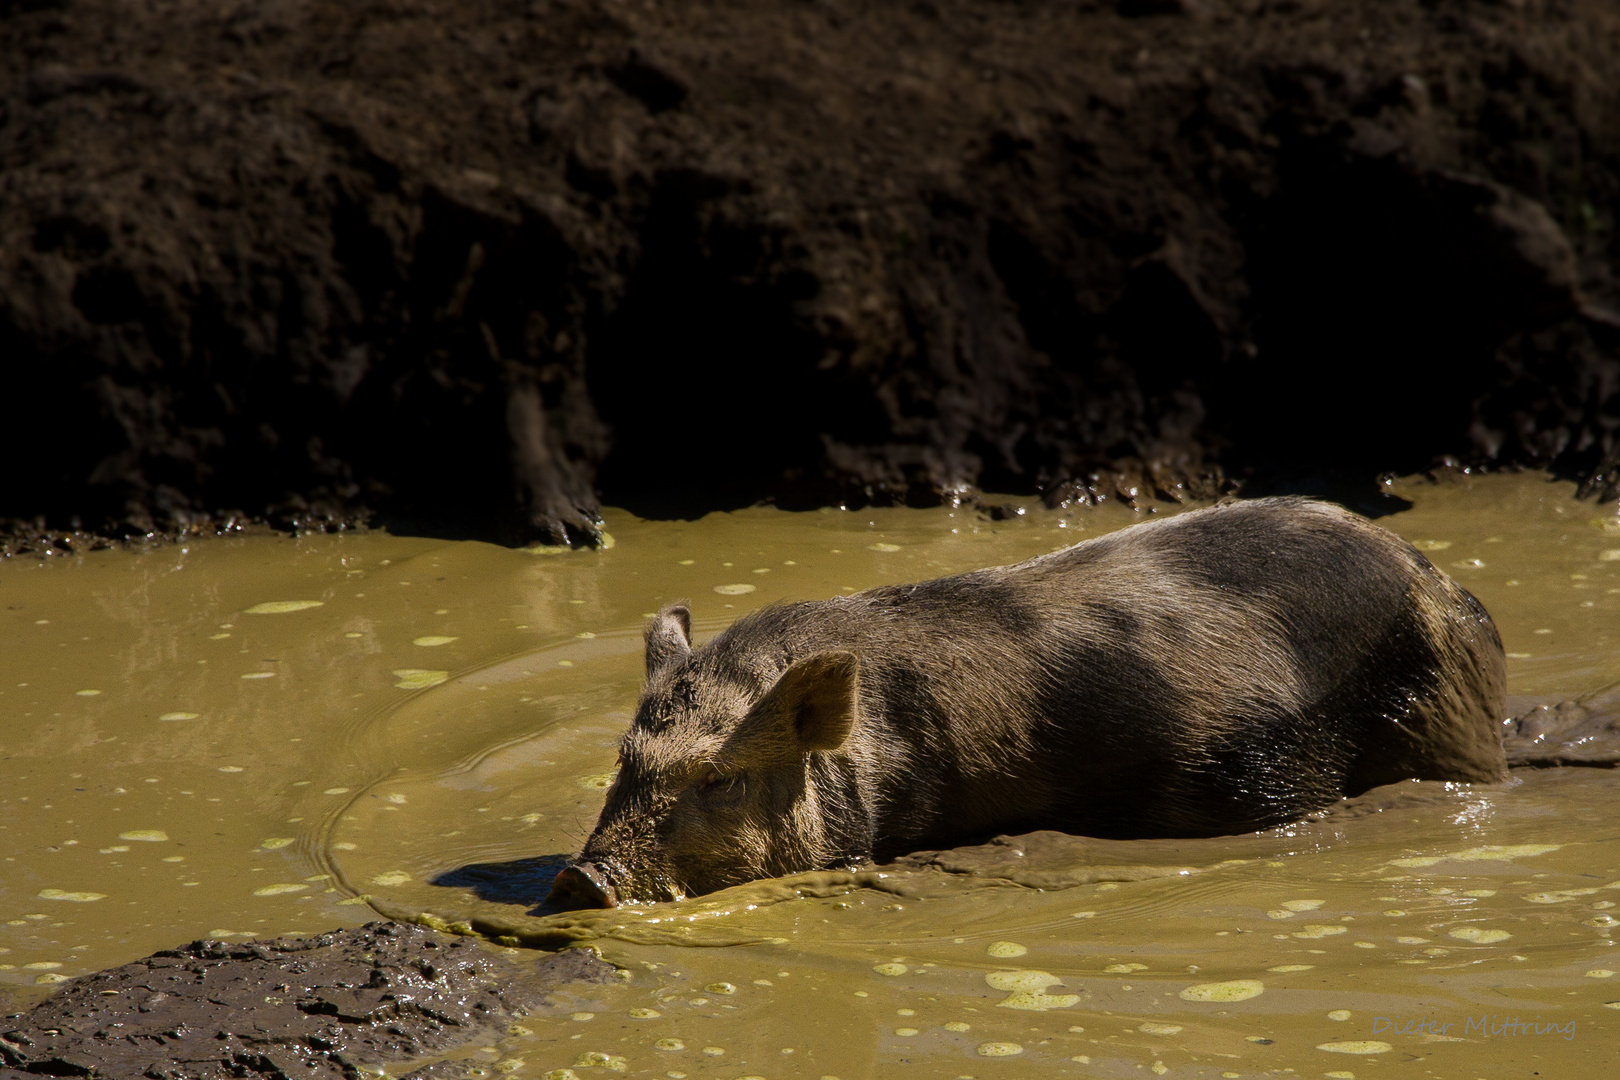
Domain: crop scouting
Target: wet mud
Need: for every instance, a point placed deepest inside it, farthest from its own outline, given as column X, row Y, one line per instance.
column 254, row 738
column 336, row 1005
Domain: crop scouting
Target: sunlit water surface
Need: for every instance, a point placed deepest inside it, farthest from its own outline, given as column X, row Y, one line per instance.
column 262, row 736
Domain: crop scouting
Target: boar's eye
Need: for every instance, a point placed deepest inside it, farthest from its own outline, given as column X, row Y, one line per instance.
column 723, row 787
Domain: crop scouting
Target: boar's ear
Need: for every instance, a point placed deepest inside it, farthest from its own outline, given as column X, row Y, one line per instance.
column 816, row 700
column 669, row 638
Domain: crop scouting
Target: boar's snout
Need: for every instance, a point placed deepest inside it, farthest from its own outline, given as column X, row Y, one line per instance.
column 582, row 885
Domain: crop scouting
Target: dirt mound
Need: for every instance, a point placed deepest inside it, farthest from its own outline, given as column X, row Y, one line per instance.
column 475, row 262
column 305, row 1007
column 1571, row 733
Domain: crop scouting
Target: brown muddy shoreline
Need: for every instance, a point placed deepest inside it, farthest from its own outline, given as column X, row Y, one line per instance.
column 479, row 266
column 322, row 1006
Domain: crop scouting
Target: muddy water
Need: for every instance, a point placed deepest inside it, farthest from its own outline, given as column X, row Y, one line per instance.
column 259, row 736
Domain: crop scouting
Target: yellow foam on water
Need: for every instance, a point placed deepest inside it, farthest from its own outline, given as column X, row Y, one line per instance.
column 882, row 547
column 74, row 897
column 1488, row 853
column 1283, row 969
column 179, row 716
column 154, row 836
column 282, row 607
column 87, row 693
column 669, row 1044
column 391, row 878
column 1007, row 981
column 734, row 590
column 1320, row 930
column 1006, row 949
column 957, row 1025
column 645, row 1014
column 1026, row 990
column 598, row 781
column 1124, row 969
column 1479, row 936
column 720, row 988
column 1340, row 1014
column 889, row 969
column 1234, row 990
column 999, row 1049
column 279, row 890
column 1151, row 1028
column 431, row 641
column 1303, row 905
column 418, row 678
column 259, row 675
column 275, row 843
column 1595, row 973
column 1559, row 896
column 593, row 1059
column 1366, row 1046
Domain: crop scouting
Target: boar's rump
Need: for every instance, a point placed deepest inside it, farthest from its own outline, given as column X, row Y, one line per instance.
column 1217, row 672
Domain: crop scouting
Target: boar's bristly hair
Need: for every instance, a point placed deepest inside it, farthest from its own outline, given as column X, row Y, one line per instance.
column 1220, row 671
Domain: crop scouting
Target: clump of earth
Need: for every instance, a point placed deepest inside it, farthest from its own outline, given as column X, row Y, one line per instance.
column 480, row 266
column 325, row 1006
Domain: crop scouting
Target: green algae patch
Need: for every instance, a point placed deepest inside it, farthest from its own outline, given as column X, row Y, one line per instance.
column 73, row 897
column 283, row 607
column 1235, row 990
column 1363, row 1046
column 418, row 678
column 151, row 836
column 280, row 890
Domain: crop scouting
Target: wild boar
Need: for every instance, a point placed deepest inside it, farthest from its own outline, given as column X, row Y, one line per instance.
column 1217, row 672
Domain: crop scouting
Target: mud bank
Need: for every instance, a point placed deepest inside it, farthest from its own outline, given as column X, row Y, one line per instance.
column 308, row 1007
column 480, row 262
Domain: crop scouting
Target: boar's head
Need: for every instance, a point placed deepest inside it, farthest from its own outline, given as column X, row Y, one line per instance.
column 724, row 775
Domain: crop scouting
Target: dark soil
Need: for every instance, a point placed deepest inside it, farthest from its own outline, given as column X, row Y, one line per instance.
column 471, row 265
column 307, row 1007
